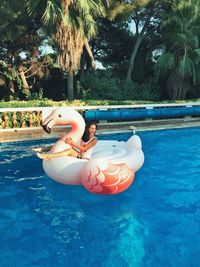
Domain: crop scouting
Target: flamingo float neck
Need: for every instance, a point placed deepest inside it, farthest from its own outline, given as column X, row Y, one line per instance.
column 64, row 117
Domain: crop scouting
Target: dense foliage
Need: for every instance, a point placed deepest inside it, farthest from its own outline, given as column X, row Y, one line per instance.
column 148, row 50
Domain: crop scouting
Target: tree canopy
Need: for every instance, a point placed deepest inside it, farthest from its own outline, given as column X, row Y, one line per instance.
column 147, row 47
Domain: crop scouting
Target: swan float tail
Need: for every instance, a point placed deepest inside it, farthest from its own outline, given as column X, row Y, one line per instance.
column 100, row 176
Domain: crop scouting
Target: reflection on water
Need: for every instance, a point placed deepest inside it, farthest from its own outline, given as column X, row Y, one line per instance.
column 153, row 223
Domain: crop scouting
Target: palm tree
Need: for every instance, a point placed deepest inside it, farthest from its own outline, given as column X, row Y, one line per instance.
column 73, row 26
column 181, row 58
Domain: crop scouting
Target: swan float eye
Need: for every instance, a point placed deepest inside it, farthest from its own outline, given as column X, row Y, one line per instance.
column 59, row 115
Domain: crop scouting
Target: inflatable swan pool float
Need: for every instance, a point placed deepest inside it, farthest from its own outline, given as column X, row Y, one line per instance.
column 111, row 168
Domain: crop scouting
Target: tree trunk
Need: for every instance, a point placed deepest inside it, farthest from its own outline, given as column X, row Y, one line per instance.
column 24, row 81
column 11, row 91
column 83, row 63
column 3, row 88
column 175, row 86
column 133, row 55
column 184, row 91
column 89, row 51
column 70, row 86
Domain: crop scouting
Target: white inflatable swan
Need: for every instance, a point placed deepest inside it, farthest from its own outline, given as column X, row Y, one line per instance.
column 111, row 168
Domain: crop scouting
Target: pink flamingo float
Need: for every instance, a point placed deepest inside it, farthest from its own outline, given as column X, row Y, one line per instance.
column 111, row 168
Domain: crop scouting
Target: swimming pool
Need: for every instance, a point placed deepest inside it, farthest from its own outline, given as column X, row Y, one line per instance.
column 156, row 222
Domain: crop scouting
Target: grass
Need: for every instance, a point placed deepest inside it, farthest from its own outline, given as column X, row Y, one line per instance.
column 50, row 103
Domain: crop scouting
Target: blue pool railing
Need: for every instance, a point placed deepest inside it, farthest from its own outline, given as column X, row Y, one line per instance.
column 15, row 118
column 141, row 113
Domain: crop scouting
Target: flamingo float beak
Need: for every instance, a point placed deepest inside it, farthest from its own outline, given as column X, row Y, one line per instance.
column 46, row 128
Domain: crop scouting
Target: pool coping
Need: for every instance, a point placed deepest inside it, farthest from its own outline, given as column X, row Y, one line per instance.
column 35, row 133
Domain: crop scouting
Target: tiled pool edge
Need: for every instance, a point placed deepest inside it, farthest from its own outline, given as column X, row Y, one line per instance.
column 21, row 134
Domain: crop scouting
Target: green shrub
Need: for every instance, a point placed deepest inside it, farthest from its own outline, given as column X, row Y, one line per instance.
column 100, row 85
column 144, row 91
column 103, row 84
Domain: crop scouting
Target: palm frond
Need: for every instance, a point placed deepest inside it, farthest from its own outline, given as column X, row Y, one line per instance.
column 185, row 40
column 197, row 52
column 51, row 10
column 164, row 63
column 74, row 21
column 186, row 66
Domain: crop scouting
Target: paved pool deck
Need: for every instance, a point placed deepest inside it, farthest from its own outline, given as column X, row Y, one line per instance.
column 21, row 134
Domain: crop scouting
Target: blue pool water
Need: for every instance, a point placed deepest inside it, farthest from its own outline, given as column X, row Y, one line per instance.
column 156, row 222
